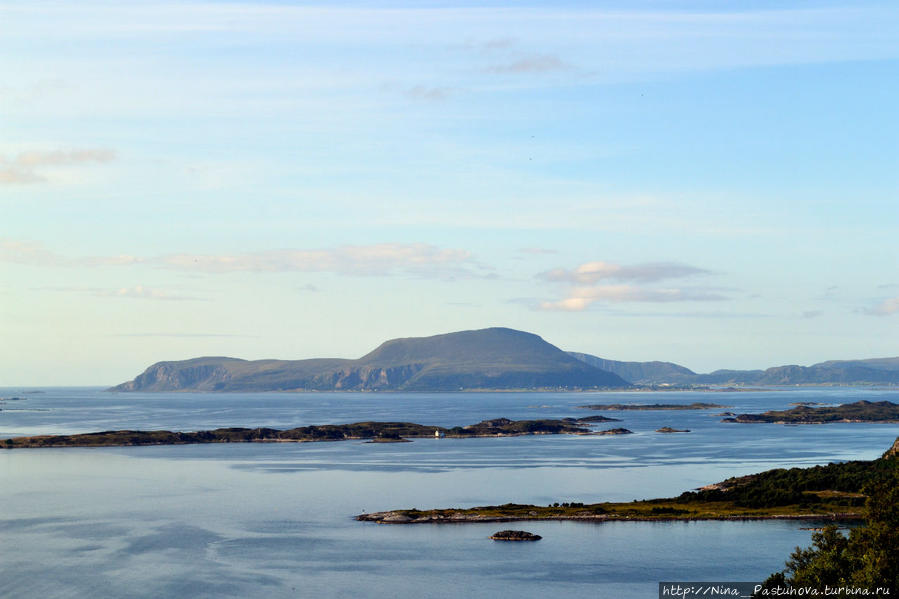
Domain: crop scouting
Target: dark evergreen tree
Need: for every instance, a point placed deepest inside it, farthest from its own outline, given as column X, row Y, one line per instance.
column 868, row 558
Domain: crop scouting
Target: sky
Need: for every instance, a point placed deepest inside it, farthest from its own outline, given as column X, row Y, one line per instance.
column 710, row 183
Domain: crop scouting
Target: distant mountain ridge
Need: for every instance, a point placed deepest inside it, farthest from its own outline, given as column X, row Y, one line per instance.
column 876, row 371
column 495, row 358
column 873, row 371
column 642, row 373
column 489, row 359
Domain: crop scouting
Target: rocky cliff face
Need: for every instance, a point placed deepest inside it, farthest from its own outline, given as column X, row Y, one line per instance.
column 893, row 452
column 172, row 376
column 366, row 378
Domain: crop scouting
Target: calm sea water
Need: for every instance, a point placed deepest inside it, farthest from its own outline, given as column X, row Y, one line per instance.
column 276, row 519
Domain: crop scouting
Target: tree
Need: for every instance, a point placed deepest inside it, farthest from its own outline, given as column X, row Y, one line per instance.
column 868, row 558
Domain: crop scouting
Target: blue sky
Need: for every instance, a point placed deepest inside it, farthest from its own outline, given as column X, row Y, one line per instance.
column 711, row 183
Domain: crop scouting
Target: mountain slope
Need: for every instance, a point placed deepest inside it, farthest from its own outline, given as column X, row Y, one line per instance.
column 642, row 373
column 833, row 372
column 496, row 358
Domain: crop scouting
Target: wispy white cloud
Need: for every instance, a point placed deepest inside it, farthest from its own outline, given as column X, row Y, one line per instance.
column 135, row 292
column 419, row 259
column 768, row 32
column 887, row 307
column 62, row 157
column 429, row 94
column 592, row 272
column 12, row 175
column 380, row 259
column 183, row 335
column 25, row 167
column 542, row 63
column 494, row 44
column 711, row 314
column 141, row 292
column 605, row 282
column 581, row 298
column 537, row 251
column 119, row 260
column 29, row 253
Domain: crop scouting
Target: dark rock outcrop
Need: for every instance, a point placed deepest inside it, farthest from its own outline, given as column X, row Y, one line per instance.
column 515, row 535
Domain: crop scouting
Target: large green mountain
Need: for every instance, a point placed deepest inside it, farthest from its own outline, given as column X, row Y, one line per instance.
column 496, row 358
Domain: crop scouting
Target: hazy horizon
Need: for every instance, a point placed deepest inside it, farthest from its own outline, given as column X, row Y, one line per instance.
column 707, row 183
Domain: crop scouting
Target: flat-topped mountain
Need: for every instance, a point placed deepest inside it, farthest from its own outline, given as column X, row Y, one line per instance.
column 495, row 358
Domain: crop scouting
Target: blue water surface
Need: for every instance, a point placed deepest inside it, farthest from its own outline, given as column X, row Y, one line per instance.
column 276, row 519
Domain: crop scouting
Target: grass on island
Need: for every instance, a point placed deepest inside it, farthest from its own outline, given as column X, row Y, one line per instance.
column 833, row 492
column 836, row 506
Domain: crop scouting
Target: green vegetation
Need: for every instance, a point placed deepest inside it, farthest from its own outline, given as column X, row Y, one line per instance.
column 655, row 406
column 649, row 510
column 834, row 492
column 866, row 558
column 378, row 431
column 837, row 484
column 860, row 411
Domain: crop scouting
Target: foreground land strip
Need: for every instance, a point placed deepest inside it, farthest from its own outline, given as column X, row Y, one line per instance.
column 832, row 492
column 377, row 431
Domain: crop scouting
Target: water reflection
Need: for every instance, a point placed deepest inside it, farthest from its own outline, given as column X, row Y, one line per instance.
column 244, row 519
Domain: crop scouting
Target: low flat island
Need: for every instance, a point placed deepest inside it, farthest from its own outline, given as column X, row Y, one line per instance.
column 860, row 411
column 654, row 406
column 381, row 432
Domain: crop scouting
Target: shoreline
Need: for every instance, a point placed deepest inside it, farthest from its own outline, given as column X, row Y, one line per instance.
column 823, row 493
column 396, row 517
column 377, row 432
